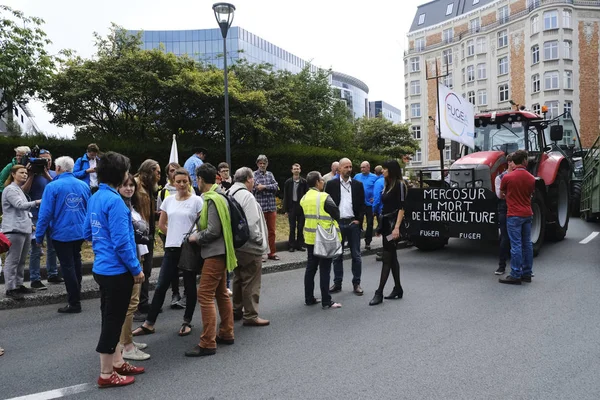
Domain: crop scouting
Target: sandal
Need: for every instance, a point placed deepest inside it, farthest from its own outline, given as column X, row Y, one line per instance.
column 144, row 331
column 182, row 331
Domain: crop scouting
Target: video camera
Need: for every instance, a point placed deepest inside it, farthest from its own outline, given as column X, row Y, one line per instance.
column 37, row 164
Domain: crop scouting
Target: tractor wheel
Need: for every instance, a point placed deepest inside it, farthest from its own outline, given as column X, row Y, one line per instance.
column 576, row 200
column 538, row 225
column 558, row 204
column 428, row 244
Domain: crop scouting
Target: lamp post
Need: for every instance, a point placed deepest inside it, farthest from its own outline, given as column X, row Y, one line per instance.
column 224, row 15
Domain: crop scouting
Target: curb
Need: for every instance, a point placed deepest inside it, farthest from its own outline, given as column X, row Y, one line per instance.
column 46, row 298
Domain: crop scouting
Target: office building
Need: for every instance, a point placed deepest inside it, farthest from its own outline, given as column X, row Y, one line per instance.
column 386, row 110
column 22, row 117
column 533, row 52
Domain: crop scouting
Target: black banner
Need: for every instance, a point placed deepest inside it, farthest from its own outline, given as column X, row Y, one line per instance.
column 467, row 213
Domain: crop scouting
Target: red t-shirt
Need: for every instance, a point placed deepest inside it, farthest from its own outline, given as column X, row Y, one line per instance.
column 518, row 186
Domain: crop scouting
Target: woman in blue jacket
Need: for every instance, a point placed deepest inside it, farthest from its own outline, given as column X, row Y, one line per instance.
column 116, row 266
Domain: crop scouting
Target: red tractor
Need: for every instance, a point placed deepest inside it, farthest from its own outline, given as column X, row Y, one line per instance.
column 550, row 145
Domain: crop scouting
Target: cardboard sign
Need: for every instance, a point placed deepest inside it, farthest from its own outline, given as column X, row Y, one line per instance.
column 467, row 213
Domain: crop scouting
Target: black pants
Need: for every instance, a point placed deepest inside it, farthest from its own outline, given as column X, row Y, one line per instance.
column 175, row 281
column 144, row 305
column 296, row 220
column 69, row 255
column 324, row 266
column 115, row 293
column 369, row 231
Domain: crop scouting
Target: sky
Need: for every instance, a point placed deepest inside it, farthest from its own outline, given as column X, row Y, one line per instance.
column 365, row 40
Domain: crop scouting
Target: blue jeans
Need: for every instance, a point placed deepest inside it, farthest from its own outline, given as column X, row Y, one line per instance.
column 69, row 254
column 324, row 266
column 521, row 248
column 350, row 234
column 34, row 260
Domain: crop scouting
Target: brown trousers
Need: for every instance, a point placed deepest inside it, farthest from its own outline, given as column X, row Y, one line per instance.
column 246, row 284
column 213, row 284
column 126, row 335
column 271, row 219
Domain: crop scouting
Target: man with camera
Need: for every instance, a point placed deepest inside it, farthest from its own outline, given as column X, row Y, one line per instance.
column 20, row 153
column 39, row 165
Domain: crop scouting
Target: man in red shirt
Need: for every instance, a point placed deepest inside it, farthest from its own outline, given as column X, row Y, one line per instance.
column 518, row 187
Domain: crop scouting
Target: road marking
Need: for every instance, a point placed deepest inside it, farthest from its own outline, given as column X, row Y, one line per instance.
column 590, row 238
column 57, row 393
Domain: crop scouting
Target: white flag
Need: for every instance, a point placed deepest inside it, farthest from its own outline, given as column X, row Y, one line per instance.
column 174, row 157
column 458, row 117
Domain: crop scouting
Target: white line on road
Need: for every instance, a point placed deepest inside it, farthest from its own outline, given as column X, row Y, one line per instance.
column 57, row 393
column 589, row 238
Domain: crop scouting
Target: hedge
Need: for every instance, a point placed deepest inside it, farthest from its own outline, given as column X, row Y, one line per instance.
column 280, row 158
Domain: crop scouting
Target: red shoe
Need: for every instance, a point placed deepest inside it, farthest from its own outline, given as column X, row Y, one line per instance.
column 128, row 369
column 115, row 380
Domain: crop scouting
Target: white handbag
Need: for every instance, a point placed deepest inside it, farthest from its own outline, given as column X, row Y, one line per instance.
column 327, row 243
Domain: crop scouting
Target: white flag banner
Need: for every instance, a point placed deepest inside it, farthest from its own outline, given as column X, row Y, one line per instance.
column 458, row 117
column 174, row 157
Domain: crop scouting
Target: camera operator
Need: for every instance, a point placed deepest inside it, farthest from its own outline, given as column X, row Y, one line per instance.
column 20, row 152
column 37, row 180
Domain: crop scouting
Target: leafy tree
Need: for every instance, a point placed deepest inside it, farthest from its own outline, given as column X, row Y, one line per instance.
column 382, row 136
column 25, row 66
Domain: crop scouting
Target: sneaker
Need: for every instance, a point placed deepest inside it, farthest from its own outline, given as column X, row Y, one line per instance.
column 182, row 303
column 198, row 351
column 510, row 280
column 14, row 294
column 140, row 346
column 229, row 292
column 55, row 279
column 24, row 290
column 500, row 271
column 136, row 355
column 526, row 278
column 174, row 299
column 38, row 285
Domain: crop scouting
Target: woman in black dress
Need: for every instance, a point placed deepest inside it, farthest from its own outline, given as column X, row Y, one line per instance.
column 392, row 199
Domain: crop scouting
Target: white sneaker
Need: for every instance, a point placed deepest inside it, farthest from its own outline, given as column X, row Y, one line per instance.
column 140, row 346
column 229, row 292
column 135, row 354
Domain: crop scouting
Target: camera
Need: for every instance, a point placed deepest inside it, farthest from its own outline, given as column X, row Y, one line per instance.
column 37, row 164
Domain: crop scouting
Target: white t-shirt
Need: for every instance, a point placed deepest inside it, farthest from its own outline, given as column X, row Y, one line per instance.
column 182, row 215
column 142, row 249
column 93, row 175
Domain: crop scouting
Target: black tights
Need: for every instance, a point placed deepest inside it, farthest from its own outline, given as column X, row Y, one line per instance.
column 390, row 263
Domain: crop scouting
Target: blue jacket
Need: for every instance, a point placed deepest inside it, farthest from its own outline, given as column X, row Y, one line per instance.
column 63, row 208
column 368, row 182
column 377, row 190
column 108, row 225
column 81, row 165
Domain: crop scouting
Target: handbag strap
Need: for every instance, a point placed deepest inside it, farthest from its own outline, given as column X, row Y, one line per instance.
column 318, row 207
column 193, row 225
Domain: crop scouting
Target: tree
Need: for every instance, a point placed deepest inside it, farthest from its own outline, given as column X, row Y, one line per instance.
column 381, row 136
column 25, row 66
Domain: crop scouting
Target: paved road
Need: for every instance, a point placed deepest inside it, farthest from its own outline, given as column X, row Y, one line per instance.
column 457, row 334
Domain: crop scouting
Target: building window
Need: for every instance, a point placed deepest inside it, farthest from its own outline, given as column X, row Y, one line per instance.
column 503, row 92
column 535, row 24
column 421, row 19
column 406, row 89
column 449, row 8
column 448, row 81
column 533, row 4
column 470, row 73
column 415, row 87
column 416, row 131
column 471, row 97
column 481, row 45
column 420, row 44
column 470, row 48
column 552, row 108
column 464, row 78
column 569, row 80
column 536, row 108
column 503, row 38
column 447, row 152
column 474, row 25
column 551, row 20
column 568, row 107
column 447, row 56
column 482, row 94
column 417, row 157
column 535, row 54
column 503, row 66
column 415, row 110
column 503, row 14
column 551, row 50
column 567, row 19
column 568, row 47
column 535, row 83
column 551, row 80
column 447, row 35
column 415, row 64
column 481, row 71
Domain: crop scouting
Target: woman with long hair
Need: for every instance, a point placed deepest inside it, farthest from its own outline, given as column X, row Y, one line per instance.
column 179, row 213
column 392, row 198
column 17, row 226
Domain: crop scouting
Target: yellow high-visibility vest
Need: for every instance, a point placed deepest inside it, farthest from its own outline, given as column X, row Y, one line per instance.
column 309, row 206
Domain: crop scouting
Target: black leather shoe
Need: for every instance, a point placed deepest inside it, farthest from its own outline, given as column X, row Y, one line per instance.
column 291, row 249
column 379, row 257
column 55, row 279
column 237, row 316
column 510, row 280
column 358, row 290
column 526, row 278
column 198, row 351
column 377, row 299
column 301, row 248
column 225, row 341
column 396, row 293
column 367, row 247
column 335, row 288
column 15, row 294
column 69, row 309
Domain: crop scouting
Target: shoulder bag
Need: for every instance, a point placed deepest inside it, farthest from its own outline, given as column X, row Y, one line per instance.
column 327, row 243
column 191, row 256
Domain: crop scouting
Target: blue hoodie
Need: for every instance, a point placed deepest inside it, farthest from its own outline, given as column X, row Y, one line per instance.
column 108, row 225
column 63, row 208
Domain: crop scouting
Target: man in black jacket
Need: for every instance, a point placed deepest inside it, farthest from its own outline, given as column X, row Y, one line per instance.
column 349, row 196
column 293, row 190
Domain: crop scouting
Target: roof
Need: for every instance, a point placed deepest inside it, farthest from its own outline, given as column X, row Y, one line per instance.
column 350, row 80
column 435, row 11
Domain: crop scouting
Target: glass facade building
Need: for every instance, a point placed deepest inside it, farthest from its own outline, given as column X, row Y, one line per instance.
column 354, row 92
column 386, row 110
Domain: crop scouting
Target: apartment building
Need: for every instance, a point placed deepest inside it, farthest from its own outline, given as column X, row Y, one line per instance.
column 530, row 52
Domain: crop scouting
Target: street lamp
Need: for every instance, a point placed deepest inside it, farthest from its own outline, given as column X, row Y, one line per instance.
column 224, row 15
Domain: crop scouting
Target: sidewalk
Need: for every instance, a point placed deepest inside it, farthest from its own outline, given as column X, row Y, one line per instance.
column 57, row 293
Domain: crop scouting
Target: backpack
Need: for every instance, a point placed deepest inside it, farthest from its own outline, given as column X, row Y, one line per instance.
column 239, row 223
column 4, row 243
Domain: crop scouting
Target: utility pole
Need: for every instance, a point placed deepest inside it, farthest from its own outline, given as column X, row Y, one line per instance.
column 441, row 143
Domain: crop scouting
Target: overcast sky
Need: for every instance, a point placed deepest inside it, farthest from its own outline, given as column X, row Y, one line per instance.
column 365, row 40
